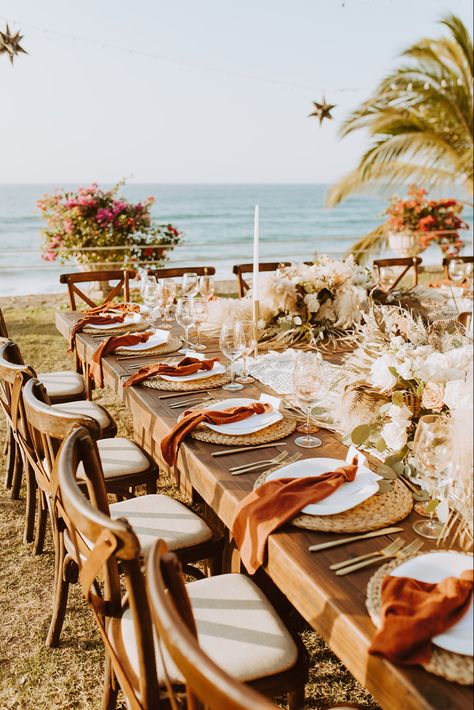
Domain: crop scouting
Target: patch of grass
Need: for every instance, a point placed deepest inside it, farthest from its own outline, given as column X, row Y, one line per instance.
column 71, row 676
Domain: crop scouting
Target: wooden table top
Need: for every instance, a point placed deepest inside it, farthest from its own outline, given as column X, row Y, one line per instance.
column 333, row 606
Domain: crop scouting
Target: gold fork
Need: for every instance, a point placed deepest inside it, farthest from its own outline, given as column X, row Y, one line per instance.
column 285, row 462
column 257, row 464
column 393, row 546
column 410, row 549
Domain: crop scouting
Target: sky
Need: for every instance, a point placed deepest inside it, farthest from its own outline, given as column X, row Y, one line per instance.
column 222, row 95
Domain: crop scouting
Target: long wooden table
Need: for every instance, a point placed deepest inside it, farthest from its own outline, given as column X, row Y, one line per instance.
column 333, row 606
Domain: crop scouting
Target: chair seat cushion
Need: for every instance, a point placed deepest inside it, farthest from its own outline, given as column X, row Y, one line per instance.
column 62, row 384
column 88, row 409
column 237, row 628
column 119, row 457
column 159, row 516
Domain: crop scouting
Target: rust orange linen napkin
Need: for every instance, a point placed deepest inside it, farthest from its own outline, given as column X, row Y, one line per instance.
column 91, row 320
column 108, row 346
column 276, row 502
column 191, row 419
column 113, row 306
column 186, row 366
column 414, row 612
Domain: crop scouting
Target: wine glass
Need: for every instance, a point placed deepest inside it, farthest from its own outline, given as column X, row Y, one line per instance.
column 185, row 317
column 431, row 453
column 249, row 335
column 468, row 271
column 232, row 345
column 456, row 270
column 190, row 285
column 166, row 292
column 386, row 278
column 207, row 287
column 200, row 310
column 307, row 381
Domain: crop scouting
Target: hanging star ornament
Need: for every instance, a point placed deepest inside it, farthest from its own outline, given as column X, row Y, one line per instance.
column 10, row 44
column 322, row 110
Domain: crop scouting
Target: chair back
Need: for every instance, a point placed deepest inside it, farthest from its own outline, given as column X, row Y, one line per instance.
column 3, row 326
column 47, row 427
column 240, row 269
column 101, row 543
column 13, row 374
column 207, row 685
column 178, row 271
column 405, row 263
column 447, row 259
column 122, row 287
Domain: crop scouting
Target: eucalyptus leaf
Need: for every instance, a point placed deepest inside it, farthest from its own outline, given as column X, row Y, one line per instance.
column 360, row 434
column 432, row 505
column 387, row 472
column 380, row 445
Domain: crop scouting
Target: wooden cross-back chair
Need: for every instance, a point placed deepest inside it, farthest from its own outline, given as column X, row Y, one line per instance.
column 207, row 685
column 410, row 263
column 3, row 326
column 240, row 269
column 121, row 288
column 133, row 651
column 448, row 259
column 178, row 271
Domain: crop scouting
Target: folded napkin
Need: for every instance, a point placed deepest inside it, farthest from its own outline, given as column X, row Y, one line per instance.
column 186, row 366
column 108, row 346
column 92, row 320
column 113, row 306
column 414, row 612
column 274, row 503
column 191, row 419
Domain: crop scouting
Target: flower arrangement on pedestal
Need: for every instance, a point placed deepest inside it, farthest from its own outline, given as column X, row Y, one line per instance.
column 78, row 222
column 303, row 304
column 428, row 220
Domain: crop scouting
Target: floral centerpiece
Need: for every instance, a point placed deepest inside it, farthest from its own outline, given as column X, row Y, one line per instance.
column 431, row 220
column 400, row 371
column 78, row 222
column 303, row 304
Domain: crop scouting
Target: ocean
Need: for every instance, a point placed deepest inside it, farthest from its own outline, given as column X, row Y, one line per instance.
column 217, row 222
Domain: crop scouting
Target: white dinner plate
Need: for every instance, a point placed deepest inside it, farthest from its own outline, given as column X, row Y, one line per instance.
column 345, row 497
column 433, row 567
column 130, row 319
column 256, row 422
column 159, row 337
column 218, row 369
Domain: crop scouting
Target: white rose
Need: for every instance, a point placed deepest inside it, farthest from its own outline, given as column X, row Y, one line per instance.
column 433, row 368
column 297, row 320
column 458, row 395
column 380, row 376
column 401, row 414
column 312, row 303
column 395, row 435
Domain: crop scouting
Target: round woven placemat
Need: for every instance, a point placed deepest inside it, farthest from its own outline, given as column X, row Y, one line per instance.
column 122, row 330
column 190, row 386
column 271, row 433
column 374, row 513
column 171, row 345
column 452, row 666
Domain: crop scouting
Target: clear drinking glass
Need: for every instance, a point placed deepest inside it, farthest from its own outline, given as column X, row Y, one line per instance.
column 232, row 347
column 190, row 285
column 207, row 288
column 386, row 277
column 249, row 335
column 468, row 270
column 185, row 317
column 456, row 270
column 431, row 452
column 307, row 381
column 200, row 310
column 167, row 293
column 150, row 292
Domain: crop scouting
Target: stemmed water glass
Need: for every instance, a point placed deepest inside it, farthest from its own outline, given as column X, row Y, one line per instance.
column 232, row 345
column 185, row 317
column 456, row 270
column 307, row 381
column 249, row 335
column 151, row 299
column 431, row 453
column 207, row 288
column 200, row 311
column 190, row 285
column 386, row 278
column 166, row 294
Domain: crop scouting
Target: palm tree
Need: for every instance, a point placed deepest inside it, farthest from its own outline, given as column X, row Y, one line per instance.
column 420, row 119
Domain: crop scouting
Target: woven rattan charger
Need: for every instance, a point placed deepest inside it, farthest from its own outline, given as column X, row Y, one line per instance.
column 376, row 512
column 452, row 666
